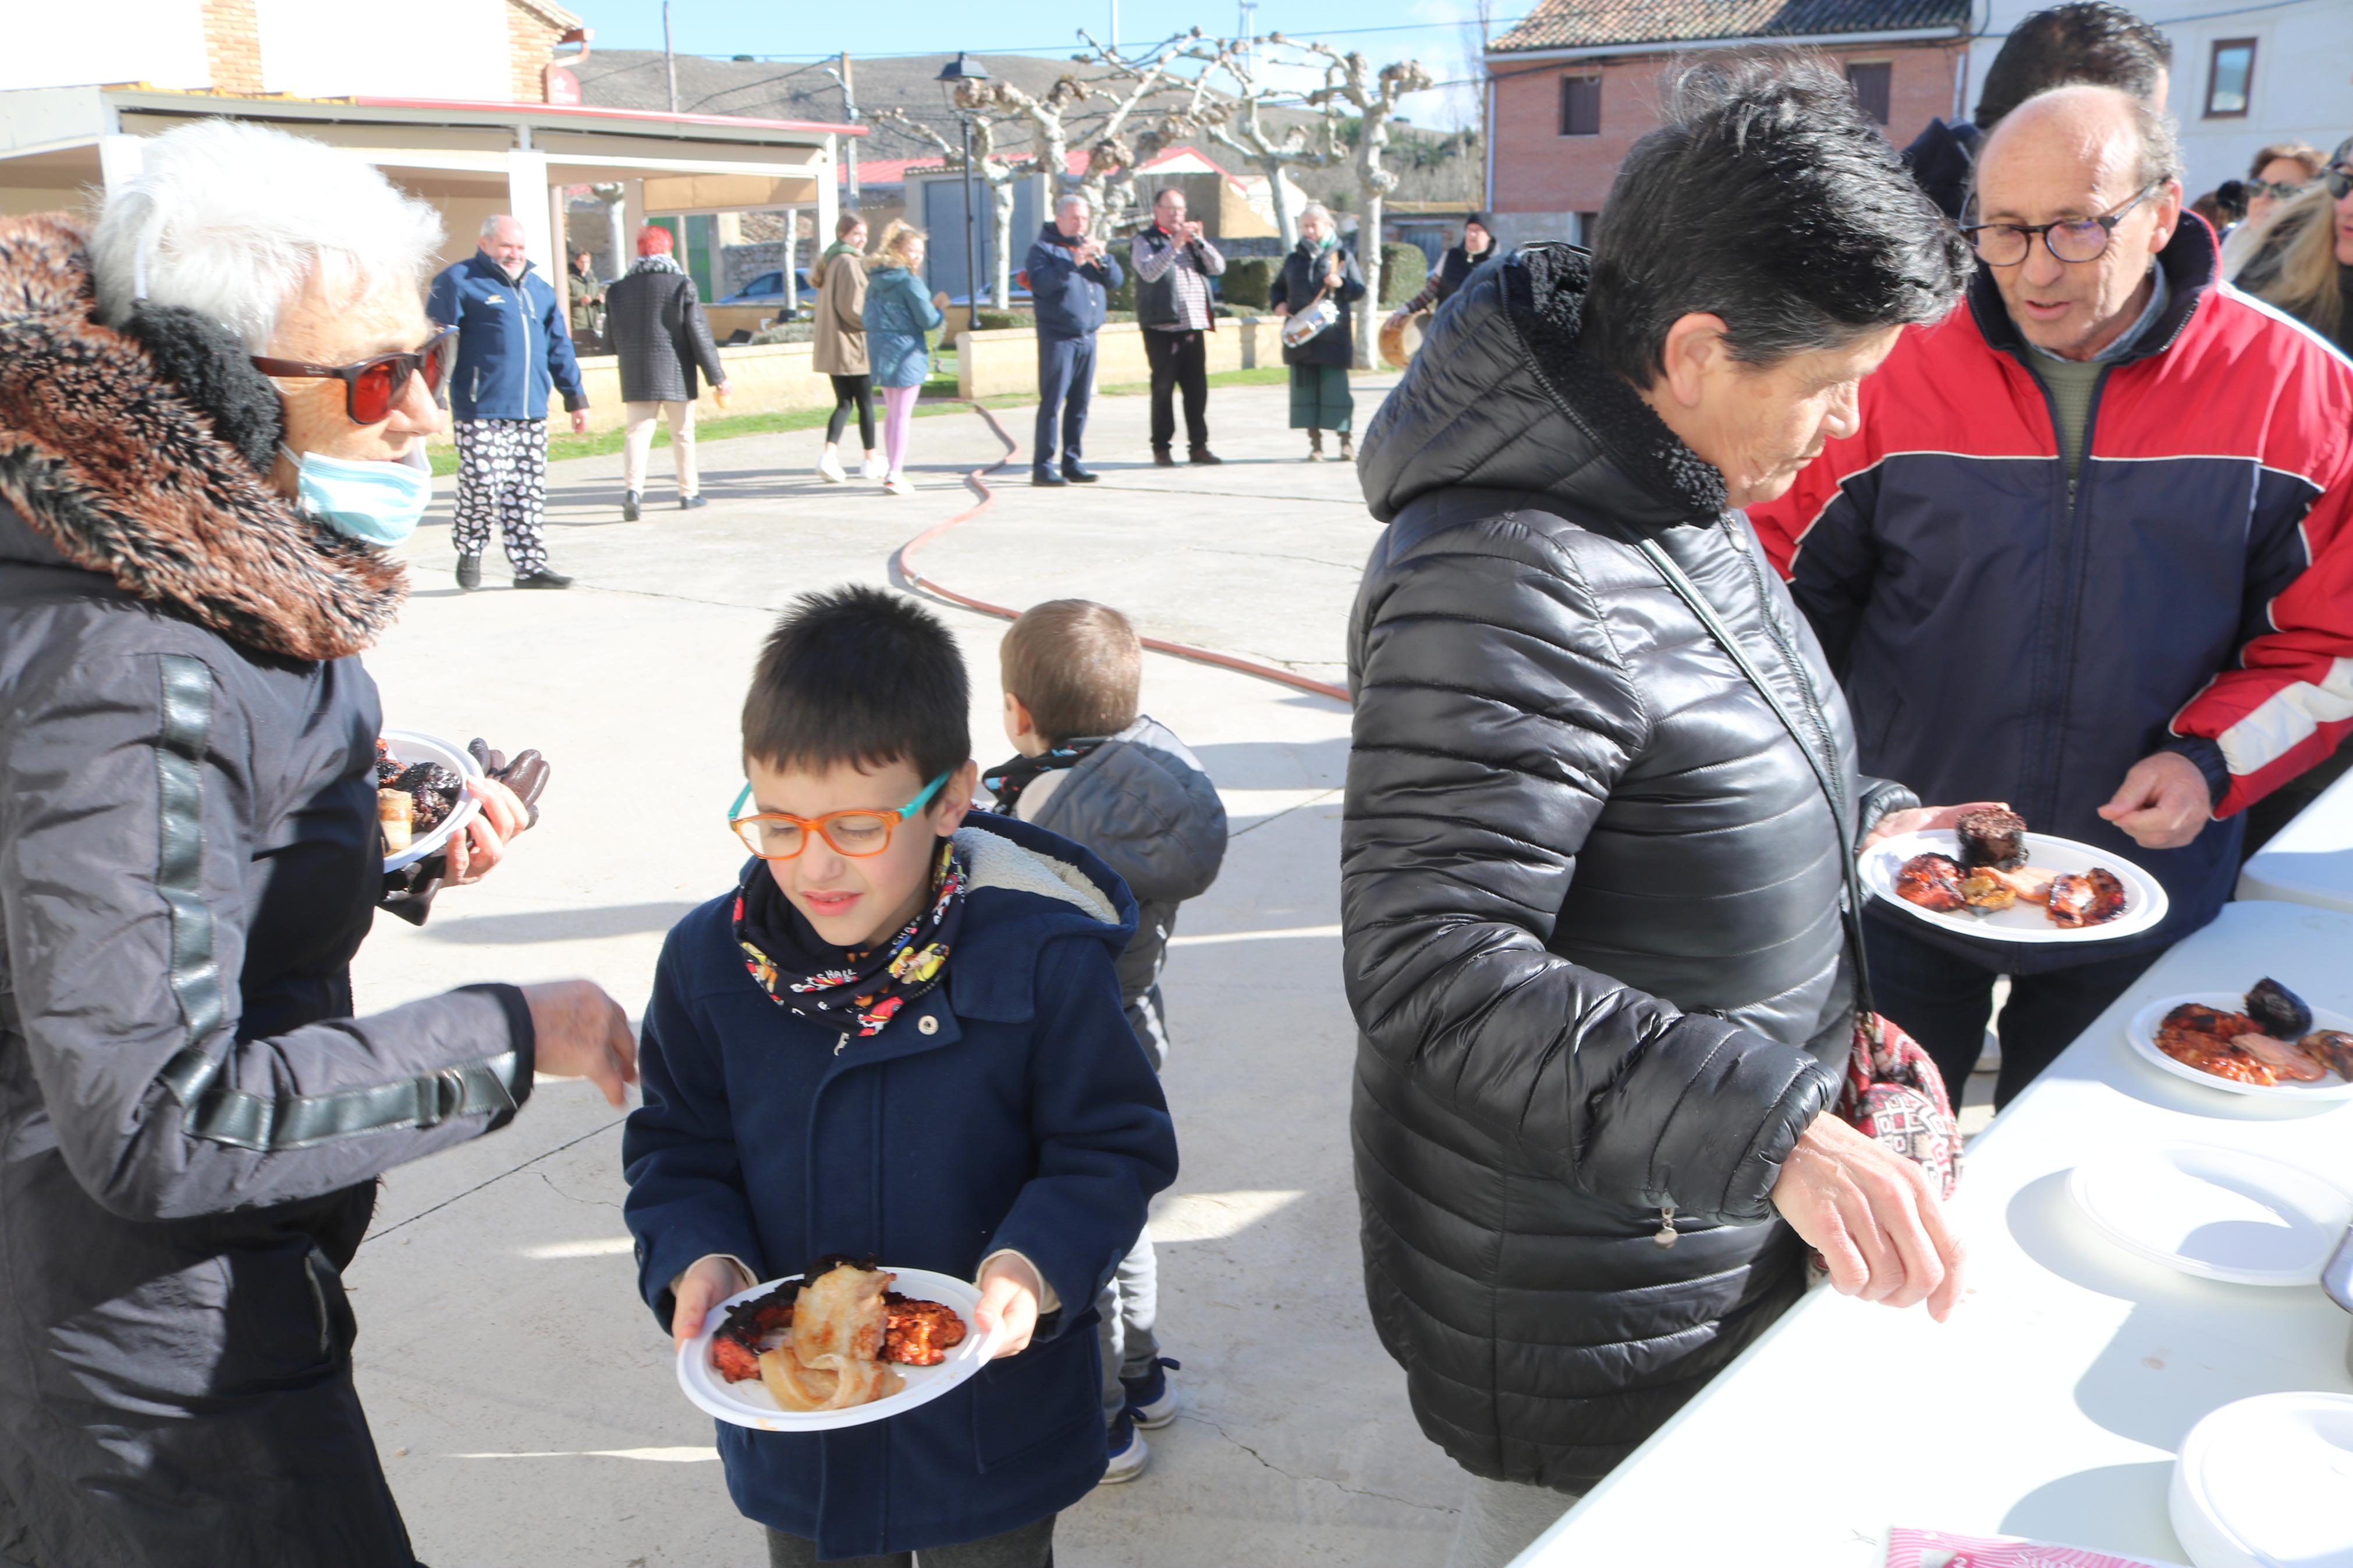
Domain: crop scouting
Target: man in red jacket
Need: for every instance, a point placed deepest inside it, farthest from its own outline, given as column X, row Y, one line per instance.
column 2088, row 553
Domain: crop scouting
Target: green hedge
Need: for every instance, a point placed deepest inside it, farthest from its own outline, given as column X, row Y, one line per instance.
column 1247, row 279
column 987, row 320
column 1404, row 269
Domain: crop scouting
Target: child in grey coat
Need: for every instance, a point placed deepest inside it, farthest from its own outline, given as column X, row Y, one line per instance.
column 1095, row 771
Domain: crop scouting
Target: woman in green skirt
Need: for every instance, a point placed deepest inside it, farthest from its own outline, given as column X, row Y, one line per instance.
column 1318, row 270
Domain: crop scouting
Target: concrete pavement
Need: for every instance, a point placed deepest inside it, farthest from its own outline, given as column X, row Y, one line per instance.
column 523, row 1397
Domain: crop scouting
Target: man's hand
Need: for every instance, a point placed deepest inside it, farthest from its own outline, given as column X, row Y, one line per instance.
column 1873, row 1216
column 1009, row 1289
column 580, row 422
column 2164, row 802
column 706, row 1283
column 473, row 853
column 1192, row 234
column 1923, row 819
column 583, row 1033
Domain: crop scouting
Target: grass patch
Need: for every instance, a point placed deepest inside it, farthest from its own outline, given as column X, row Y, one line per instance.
column 724, row 427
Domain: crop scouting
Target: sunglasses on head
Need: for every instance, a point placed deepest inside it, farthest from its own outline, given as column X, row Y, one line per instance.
column 373, row 388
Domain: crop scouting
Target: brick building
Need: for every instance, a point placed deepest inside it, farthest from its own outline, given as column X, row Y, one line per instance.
column 1575, row 85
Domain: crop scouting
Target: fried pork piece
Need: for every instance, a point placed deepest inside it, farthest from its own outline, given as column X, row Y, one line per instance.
column 2335, row 1047
column 921, row 1332
column 2032, row 883
column 1932, row 881
column 1984, row 892
column 2204, row 1038
column 2095, row 897
column 750, row 1328
column 2286, row 1058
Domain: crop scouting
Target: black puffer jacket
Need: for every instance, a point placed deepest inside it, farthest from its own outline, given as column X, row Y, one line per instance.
column 191, row 1119
column 654, row 320
column 1591, row 893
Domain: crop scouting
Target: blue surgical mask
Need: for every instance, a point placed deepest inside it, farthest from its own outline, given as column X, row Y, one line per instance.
column 376, row 502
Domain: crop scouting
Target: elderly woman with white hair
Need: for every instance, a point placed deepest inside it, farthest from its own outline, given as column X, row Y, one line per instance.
column 213, row 408
column 1316, row 284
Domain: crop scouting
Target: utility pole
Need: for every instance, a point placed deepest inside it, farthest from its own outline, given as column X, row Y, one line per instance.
column 1114, row 26
column 669, row 60
column 849, row 115
column 1250, row 30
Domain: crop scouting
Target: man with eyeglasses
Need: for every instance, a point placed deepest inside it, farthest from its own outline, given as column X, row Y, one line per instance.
column 2089, row 553
column 512, row 345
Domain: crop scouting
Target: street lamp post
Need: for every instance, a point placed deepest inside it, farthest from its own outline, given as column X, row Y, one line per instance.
column 951, row 77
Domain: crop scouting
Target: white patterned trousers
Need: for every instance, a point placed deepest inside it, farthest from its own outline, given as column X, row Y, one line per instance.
column 502, row 478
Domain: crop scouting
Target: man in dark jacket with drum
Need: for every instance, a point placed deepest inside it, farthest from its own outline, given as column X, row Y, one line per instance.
column 1590, row 885
column 1071, row 276
column 192, row 553
column 655, row 318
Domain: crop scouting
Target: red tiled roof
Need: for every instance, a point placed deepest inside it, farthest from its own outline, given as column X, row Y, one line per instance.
column 1583, row 24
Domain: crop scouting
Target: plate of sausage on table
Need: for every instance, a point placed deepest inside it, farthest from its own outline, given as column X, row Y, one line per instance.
column 2266, row 1042
column 1989, row 876
column 843, row 1343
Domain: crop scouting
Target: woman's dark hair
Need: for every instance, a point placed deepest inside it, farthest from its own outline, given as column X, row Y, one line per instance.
column 1768, row 199
column 2085, row 41
column 859, row 676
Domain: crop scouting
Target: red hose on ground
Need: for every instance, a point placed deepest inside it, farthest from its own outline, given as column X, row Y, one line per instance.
column 903, row 564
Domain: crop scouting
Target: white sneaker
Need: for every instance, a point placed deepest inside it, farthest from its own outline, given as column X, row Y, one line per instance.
column 872, row 469
column 828, row 469
column 897, row 485
column 1128, row 1457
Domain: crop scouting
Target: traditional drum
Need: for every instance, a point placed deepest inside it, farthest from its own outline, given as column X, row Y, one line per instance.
column 1401, row 339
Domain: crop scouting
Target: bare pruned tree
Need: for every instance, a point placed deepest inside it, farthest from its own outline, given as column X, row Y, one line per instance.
column 1001, row 175
column 1132, row 82
column 1236, row 117
column 1350, row 79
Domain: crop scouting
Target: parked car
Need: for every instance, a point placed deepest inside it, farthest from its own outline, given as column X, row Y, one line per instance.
column 767, row 288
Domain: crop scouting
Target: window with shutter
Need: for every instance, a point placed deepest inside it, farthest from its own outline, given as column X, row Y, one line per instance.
column 1580, row 105
column 1873, row 84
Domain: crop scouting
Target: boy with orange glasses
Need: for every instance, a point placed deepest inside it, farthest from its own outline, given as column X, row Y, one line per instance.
column 899, row 1034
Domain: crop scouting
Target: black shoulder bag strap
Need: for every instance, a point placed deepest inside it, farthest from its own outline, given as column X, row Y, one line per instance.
column 1688, row 592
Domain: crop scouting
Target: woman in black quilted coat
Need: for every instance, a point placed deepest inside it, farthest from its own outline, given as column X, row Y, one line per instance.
column 1590, row 885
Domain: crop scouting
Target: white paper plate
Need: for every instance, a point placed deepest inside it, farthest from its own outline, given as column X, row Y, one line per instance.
column 748, row 1404
column 2142, row 1033
column 413, row 746
column 2216, row 1212
column 2144, row 903
column 2267, row 1482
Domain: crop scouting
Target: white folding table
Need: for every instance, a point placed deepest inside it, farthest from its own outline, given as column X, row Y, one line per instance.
column 2309, row 861
column 2051, row 1405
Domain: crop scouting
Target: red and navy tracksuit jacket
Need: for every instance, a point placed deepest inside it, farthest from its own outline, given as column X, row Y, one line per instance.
column 2002, row 639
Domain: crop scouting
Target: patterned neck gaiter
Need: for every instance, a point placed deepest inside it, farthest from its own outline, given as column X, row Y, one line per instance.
column 857, row 991
column 1007, row 780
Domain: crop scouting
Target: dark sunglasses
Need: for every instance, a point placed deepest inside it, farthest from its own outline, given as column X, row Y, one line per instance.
column 2340, row 181
column 374, row 387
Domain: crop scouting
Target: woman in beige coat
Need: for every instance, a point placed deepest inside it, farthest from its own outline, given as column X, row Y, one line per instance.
column 840, row 348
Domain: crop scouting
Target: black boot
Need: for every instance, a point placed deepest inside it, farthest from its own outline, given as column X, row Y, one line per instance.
column 688, row 503
column 1315, row 446
column 1077, row 474
column 543, row 578
column 1203, row 457
column 629, row 499
column 1161, row 459
column 1043, row 475
column 470, row 572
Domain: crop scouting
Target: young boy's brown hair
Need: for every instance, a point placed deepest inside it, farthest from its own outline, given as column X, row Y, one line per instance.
column 1077, row 667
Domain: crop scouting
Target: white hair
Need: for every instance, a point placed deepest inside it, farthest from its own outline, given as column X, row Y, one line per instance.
column 1319, row 210
column 232, row 220
column 490, row 224
column 1068, row 200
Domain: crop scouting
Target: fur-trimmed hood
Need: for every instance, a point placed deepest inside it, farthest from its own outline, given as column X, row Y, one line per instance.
column 1501, row 398
column 109, row 465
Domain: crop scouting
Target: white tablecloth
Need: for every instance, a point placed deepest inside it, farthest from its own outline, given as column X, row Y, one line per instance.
column 2309, row 861
column 2051, row 1405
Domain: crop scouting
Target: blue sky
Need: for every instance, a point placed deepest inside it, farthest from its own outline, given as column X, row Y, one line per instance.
column 1433, row 31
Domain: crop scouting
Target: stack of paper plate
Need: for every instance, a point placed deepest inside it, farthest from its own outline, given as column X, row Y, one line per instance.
column 2268, row 1483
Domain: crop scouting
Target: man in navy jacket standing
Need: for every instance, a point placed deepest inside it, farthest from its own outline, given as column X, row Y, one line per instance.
column 1071, row 277
column 513, row 343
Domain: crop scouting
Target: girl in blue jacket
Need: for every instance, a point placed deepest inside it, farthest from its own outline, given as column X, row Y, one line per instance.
column 899, row 1035
column 897, row 318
